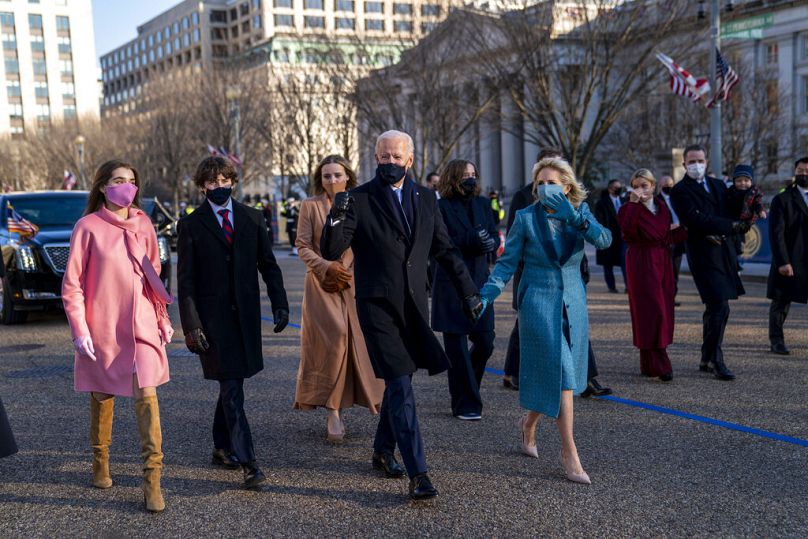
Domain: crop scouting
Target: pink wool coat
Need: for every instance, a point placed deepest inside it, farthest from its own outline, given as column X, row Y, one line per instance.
column 107, row 297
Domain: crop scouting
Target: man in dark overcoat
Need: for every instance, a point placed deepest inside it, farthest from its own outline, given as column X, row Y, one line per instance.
column 606, row 209
column 700, row 201
column 7, row 444
column 788, row 237
column 393, row 225
column 222, row 246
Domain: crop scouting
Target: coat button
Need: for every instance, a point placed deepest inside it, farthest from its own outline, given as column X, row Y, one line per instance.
column 409, row 264
column 227, row 258
column 412, row 291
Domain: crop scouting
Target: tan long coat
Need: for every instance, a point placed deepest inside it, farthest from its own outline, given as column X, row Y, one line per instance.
column 335, row 369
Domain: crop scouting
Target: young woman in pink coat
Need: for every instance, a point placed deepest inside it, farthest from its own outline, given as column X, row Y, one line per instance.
column 116, row 306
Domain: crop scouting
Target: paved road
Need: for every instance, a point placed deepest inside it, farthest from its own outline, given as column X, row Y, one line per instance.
column 653, row 474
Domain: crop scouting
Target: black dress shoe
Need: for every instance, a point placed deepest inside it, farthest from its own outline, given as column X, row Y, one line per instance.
column 253, row 476
column 594, row 389
column 510, row 383
column 780, row 348
column 614, row 291
column 666, row 377
column 388, row 464
column 723, row 373
column 225, row 459
column 421, row 487
column 705, row 367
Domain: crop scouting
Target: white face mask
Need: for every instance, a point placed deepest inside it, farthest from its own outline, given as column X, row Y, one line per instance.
column 696, row 170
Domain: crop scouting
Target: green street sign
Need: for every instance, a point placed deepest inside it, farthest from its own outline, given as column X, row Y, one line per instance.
column 751, row 28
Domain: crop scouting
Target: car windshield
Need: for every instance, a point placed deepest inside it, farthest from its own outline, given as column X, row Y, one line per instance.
column 50, row 211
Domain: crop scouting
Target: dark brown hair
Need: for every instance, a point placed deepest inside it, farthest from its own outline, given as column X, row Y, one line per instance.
column 549, row 151
column 317, row 180
column 104, row 173
column 692, row 148
column 210, row 168
column 449, row 184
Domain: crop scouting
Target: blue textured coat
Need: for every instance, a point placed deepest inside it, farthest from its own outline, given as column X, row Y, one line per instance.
column 550, row 281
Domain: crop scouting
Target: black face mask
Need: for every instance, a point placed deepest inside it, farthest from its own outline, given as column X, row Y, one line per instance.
column 219, row 195
column 667, row 190
column 390, row 173
column 801, row 180
column 469, row 185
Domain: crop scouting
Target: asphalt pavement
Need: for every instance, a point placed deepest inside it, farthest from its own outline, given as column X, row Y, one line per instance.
column 653, row 473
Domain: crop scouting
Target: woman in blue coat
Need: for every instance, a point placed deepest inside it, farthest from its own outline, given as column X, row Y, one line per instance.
column 548, row 237
column 470, row 224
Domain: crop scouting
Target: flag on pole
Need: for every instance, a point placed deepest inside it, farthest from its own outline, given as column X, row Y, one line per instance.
column 235, row 159
column 682, row 82
column 213, row 151
column 19, row 224
column 68, row 181
column 725, row 78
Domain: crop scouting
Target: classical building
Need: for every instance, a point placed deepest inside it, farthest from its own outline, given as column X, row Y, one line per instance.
column 49, row 68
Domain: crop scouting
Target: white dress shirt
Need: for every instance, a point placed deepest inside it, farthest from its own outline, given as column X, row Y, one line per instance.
column 674, row 217
column 228, row 207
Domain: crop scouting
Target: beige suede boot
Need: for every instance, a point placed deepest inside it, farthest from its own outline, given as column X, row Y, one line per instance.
column 100, row 438
column 151, row 441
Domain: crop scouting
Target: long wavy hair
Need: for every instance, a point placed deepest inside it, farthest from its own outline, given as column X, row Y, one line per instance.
column 577, row 194
column 102, row 176
column 452, row 176
column 317, row 188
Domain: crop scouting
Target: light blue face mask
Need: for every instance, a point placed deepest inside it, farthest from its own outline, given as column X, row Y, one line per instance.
column 546, row 190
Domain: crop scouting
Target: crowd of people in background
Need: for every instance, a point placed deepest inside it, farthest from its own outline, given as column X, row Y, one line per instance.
column 374, row 253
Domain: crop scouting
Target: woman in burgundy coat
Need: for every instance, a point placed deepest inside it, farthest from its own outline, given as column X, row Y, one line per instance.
column 648, row 231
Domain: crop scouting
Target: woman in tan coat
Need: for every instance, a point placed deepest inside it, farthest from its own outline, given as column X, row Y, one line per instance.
column 335, row 370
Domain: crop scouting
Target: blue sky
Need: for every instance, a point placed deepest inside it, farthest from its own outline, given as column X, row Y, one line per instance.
column 115, row 21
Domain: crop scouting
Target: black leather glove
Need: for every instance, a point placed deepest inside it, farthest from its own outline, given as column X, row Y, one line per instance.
column 281, row 318
column 196, row 342
column 473, row 307
column 487, row 243
column 741, row 227
column 342, row 203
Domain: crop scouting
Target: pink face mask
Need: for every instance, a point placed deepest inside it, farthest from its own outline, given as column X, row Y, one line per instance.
column 121, row 194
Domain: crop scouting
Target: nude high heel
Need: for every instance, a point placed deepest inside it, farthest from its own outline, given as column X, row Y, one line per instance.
column 575, row 477
column 527, row 449
column 336, row 433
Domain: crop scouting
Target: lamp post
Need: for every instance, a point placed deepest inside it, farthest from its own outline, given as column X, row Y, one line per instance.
column 233, row 94
column 79, row 141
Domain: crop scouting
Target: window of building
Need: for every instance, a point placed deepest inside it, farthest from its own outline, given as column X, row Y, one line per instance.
column 151, row 41
column 66, row 67
column 143, row 59
column 218, row 34
column 176, row 27
column 68, row 90
column 41, row 88
column 313, row 4
column 284, row 20
column 62, row 23
column 772, row 97
column 40, row 67
column 33, row 1
column 37, row 44
column 771, row 157
column 195, row 18
column 430, row 10
column 137, row 62
column 233, row 14
column 245, row 27
column 13, row 88
column 158, row 37
column 135, row 48
column 374, row 7
column 9, row 42
column 772, row 52
column 244, row 9
column 15, row 110
column 17, row 131
column 314, row 22
column 345, row 5
column 803, row 38
column 168, row 48
column 64, row 44
column 374, row 24
column 402, row 9
column 196, row 35
column 257, row 21
column 43, row 112
column 234, row 31
column 185, row 23
column 151, row 55
column 256, row 5
column 403, row 26
column 218, row 15
column 805, row 98
column 283, row 3
column 159, row 52
column 69, row 111
column 167, row 33
column 176, row 43
column 345, row 23
column 7, row 19
column 186, row 40
column 35, row 21
column 427, row 27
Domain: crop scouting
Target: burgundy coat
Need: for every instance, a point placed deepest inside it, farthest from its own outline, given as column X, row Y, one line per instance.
column 649, row 271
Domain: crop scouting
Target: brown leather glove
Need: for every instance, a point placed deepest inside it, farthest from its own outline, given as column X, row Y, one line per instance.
column 338, row 272
column 330, row 285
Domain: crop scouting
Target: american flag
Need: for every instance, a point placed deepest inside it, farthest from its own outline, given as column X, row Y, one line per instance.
column 682, row 82
column 19, row 224
column 725, row 78
column 68, row 180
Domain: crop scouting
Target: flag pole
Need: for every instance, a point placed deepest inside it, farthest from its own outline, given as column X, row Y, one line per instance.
column 715, row 157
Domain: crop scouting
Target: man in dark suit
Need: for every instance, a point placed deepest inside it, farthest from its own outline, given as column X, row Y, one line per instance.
column 393, row 225
column 606, row 210
column 700, row 202
column 220, row 250
column 788, row 237
column 666, row 184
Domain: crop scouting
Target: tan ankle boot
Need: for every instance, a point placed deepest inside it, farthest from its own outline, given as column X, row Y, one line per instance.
column 151, row 441
column 100, row 437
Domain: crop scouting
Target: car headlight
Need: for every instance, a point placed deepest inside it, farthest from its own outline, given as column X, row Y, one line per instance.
column 26, row 260
column 165, row 252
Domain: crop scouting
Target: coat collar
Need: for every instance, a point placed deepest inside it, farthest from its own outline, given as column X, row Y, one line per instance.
column 799, row 199
column 210, row 222
column 380, row 199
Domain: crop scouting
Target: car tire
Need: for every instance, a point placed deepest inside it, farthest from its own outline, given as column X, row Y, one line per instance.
column 8, row 316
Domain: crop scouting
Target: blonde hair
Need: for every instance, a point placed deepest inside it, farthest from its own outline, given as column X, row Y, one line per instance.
column 645, row 174
column 577, row 194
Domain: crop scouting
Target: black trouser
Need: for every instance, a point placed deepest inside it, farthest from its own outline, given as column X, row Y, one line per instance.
column 398, row 424
column 715, row 322
column 292, row 233
column 512, row 357
column 778, row 311
column 608, row 276
column 230, row 428
column 468, row 366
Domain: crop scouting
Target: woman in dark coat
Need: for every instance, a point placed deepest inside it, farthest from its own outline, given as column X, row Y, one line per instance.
column 7, row 444
column 648, row 231
column 470, row 224
column 606, row 210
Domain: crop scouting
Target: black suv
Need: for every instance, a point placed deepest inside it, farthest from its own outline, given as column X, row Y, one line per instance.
column 31, row 269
